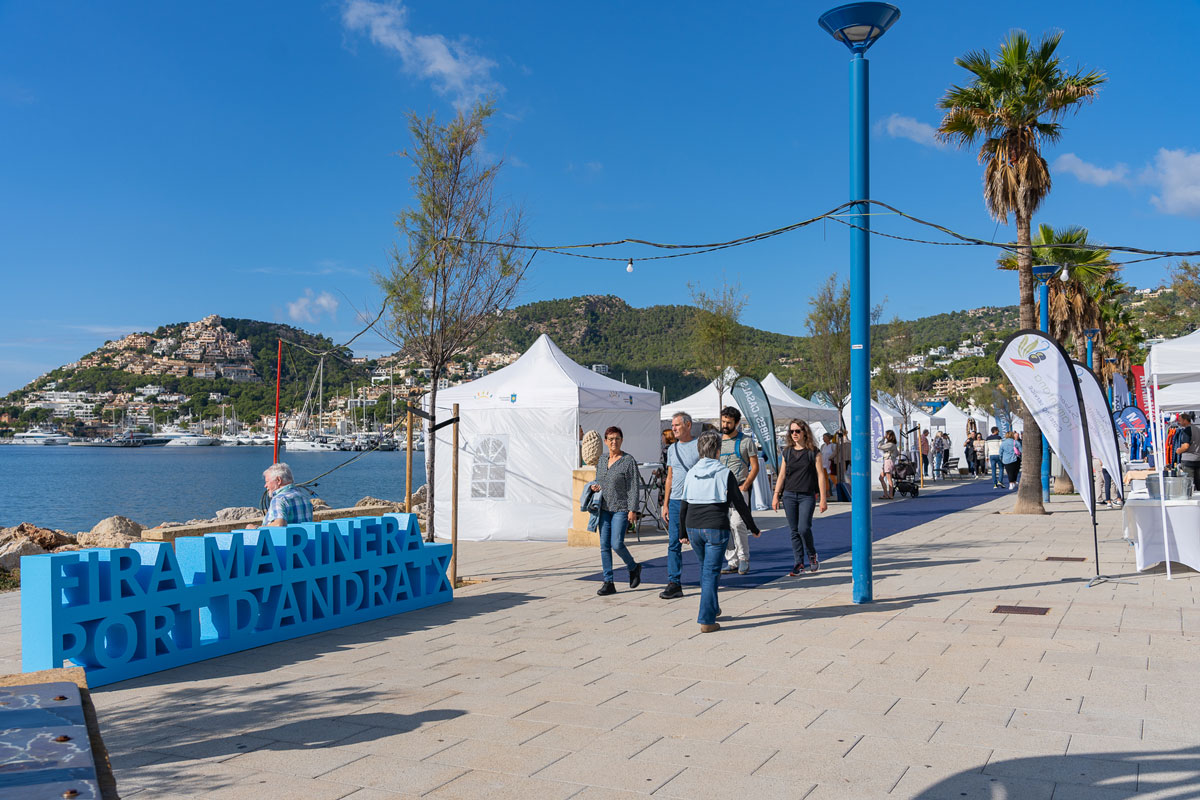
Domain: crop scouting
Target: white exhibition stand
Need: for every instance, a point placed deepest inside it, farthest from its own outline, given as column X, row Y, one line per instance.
column 1144, row 521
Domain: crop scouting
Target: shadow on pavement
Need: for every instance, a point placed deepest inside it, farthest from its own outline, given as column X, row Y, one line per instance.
column 303, row 649
column 1165, row 773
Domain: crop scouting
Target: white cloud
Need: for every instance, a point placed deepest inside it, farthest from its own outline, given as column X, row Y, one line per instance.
column 1176, row 174
column 901, row 127
column 1090, row 173
column 453, row 67
column 308, row 306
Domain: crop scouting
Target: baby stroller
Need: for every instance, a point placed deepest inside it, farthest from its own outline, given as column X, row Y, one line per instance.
column 905, row 474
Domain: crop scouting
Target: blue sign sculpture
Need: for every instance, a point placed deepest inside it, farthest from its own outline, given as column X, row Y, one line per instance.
column 125, row 612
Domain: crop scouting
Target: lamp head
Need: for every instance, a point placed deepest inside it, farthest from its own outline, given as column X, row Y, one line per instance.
column 1044, row 272
column 859, row 25
column 1092, row 333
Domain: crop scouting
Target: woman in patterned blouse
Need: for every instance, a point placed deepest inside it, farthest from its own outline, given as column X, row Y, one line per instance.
column 617, row 481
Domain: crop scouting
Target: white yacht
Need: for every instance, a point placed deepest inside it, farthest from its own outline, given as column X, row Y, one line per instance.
column 190, row 440
column 41, row 435
column 310, row 446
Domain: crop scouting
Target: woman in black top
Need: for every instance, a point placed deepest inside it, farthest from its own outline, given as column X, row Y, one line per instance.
column 801, row 477
column 617, row 481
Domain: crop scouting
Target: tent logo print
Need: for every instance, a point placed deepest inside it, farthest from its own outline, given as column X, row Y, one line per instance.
column 512, row 398
column 1030, row 352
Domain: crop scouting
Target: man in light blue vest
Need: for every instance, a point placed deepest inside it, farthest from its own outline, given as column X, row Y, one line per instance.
column 681, row 457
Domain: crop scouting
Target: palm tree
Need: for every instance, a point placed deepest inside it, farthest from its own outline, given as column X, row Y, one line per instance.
column 1075, row 292
column 1013, row 103
column 1076, row 301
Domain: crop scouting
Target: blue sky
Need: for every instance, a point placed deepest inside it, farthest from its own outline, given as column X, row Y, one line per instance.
column 164, row 161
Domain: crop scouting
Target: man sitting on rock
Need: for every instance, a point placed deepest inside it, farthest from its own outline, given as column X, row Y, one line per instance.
column 288, row 504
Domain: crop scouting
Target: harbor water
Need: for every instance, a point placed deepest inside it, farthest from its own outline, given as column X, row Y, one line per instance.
column 73, row 488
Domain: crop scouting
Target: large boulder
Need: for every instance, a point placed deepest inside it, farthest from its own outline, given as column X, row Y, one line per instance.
column 116, row 531
column 375, row 501
column 238, row 513
column 44, row 538
column 318, row 504
column 10, row 554
column 421, row 494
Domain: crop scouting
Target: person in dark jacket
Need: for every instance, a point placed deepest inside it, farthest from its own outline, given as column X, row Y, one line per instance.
column 709, row 492
column 617, row 482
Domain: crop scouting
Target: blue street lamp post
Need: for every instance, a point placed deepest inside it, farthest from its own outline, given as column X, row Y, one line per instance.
column 1091, row 334
column 1043, row 273
column 858, row 26
column 1110, row 382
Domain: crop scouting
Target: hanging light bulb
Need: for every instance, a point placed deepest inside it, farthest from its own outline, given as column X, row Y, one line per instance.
column 630, row 267
column 1064, row 275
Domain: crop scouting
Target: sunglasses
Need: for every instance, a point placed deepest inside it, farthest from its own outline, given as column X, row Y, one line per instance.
column 795, row 430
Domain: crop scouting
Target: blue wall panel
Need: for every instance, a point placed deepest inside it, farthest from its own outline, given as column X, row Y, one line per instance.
column 120, row 613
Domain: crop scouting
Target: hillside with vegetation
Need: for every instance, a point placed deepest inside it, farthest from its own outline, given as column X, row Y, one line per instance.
column 250, row 396
column 603, row 329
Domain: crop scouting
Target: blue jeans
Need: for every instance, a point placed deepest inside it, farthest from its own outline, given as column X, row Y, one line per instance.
column 799, row 510
column 674, row 548
column 612, row 540
column 709, row 544
column 996, row 469
column 938, row 458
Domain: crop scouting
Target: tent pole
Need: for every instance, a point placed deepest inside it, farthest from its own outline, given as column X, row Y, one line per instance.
column 454, row 504
column 1160, row 456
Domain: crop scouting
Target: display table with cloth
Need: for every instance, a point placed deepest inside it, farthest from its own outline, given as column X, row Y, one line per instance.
column 1144, row 525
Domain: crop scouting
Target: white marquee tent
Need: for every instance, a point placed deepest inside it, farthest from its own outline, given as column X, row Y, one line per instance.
column 1175, row 360
column 519, row 442
column 786, row 404
column 956, row 427
column 1180, row 397
column 704, row 405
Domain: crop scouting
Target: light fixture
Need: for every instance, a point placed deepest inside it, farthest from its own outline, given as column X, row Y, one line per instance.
column 1065, row 275
column 859, row 25
column 630, row 267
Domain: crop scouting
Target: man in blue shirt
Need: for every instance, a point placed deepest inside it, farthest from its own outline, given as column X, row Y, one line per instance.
column 288, row 504
column 681, row 457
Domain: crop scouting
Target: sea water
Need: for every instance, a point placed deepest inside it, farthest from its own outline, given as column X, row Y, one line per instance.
column 73, row 488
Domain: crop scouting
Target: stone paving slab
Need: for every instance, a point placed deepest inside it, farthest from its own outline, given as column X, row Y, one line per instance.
column 529, row 686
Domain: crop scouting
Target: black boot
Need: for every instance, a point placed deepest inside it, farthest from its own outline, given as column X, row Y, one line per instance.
column 635, row 577
column 606, row 589
column 672, row 591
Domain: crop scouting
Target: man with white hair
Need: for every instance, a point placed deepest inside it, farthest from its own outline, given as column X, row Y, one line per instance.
column 288, row 504
column 681, row 456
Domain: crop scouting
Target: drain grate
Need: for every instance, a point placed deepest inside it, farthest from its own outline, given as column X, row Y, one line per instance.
column 1065, row 558
column 1032, row 610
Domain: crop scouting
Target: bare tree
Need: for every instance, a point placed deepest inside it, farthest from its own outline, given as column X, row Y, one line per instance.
column 829, row 343
column 457, row 269
column 718, row 346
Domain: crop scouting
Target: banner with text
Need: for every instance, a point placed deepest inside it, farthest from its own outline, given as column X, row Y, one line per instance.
column 1040, row 370
column 1120, row 392
column 756, row 408
column 1101, row 430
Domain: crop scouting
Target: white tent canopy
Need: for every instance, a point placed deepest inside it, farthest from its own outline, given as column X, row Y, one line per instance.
column 704, row 405
column 786, row 404
column 1180, row 397
column 956, row 427
column 1176, row 360
column 519, row 442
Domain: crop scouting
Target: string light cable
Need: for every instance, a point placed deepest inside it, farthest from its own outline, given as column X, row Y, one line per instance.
column 836, row 214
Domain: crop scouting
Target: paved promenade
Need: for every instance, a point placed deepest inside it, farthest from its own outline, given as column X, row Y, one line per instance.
column 529, row 686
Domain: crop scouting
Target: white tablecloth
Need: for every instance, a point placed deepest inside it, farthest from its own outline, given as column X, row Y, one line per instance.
column 1143, row 524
